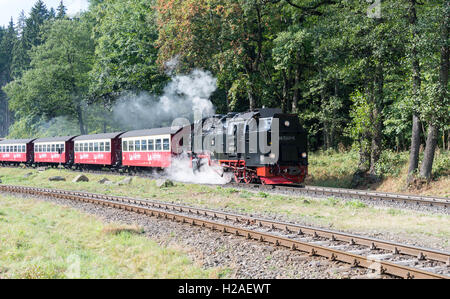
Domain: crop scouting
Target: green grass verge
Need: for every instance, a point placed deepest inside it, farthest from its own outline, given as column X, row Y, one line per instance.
column 44, row 240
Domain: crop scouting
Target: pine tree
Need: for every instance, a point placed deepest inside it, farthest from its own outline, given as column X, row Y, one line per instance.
column 31, row 36
column 61, row 11
column 6, row 55
column 38, row 15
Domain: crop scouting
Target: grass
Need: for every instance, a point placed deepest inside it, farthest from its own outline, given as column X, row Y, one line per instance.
column 44, row 240
column 336, row 169
column 328, row 212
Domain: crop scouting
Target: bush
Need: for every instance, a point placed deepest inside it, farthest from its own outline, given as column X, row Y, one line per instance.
column 441, row 165
column 391, row 163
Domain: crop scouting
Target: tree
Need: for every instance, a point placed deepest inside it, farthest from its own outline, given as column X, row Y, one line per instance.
column 439, row 108
column 61, row 11
column 416, row 85
column 58, row 81
column 7, row 42
column 31, row 37
column 125, row 34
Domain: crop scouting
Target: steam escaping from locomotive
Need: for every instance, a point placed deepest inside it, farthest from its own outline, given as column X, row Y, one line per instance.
column 181, row 171
column 183, row 95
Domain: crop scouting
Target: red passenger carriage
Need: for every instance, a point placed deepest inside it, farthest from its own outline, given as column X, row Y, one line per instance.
column 54, row 150
column 16, row 151
column 98, row 149
column 147, row 148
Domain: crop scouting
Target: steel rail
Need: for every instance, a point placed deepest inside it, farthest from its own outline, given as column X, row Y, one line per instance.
column 352, row 193
column 312, row 249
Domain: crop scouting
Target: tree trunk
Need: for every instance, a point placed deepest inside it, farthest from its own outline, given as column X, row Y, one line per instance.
column 364, row 154
column 286, row 87
column 375, row 152
column 296, row 95
column 415, row 138
column 80, row 120
column 251, row 99
column 430, row 148
column 415, row 149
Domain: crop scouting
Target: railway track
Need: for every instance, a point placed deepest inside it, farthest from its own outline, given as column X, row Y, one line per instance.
column 417, row 200
column 352, row 193
column 384, row 257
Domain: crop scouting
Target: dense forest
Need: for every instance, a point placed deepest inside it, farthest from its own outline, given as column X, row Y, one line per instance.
column 367, row 75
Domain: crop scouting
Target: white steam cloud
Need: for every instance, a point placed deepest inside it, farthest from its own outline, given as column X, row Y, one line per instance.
column 181, row 171
column 182, row 96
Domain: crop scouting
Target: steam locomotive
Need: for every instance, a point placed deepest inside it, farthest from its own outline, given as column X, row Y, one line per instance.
column 264, row 146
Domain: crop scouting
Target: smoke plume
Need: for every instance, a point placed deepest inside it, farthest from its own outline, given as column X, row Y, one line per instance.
column 181, row 97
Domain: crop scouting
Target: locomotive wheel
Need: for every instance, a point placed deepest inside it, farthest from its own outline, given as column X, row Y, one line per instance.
column 248, row 177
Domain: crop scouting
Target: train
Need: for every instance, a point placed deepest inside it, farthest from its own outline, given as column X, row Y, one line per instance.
column 263, row 146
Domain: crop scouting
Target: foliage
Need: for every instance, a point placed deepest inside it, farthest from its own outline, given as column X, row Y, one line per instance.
column 347, row 72
column 125, row 34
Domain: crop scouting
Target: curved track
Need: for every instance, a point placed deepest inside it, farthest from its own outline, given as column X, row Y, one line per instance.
column 382, row 256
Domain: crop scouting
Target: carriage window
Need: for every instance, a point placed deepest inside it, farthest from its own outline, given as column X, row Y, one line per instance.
column 144, row 145
column 151, row 147
column 137, row 145
column 36, row 148
column 24, row 149
column 76, row 147
column 57, row 148
column 15, row 148
column 107, row 146
column 166, row 145
column 91, row 146
column 158, row 145
column 53, row 148
column 102, row 146
column 95, row 146
column 125, row 146
column 86, row 147
column 131, row 146
column 62, row 148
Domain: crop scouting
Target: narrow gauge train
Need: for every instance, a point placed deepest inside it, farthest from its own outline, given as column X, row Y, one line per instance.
column 229, row 136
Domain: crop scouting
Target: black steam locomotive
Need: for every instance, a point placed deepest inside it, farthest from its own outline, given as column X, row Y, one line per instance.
column 263, row 146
